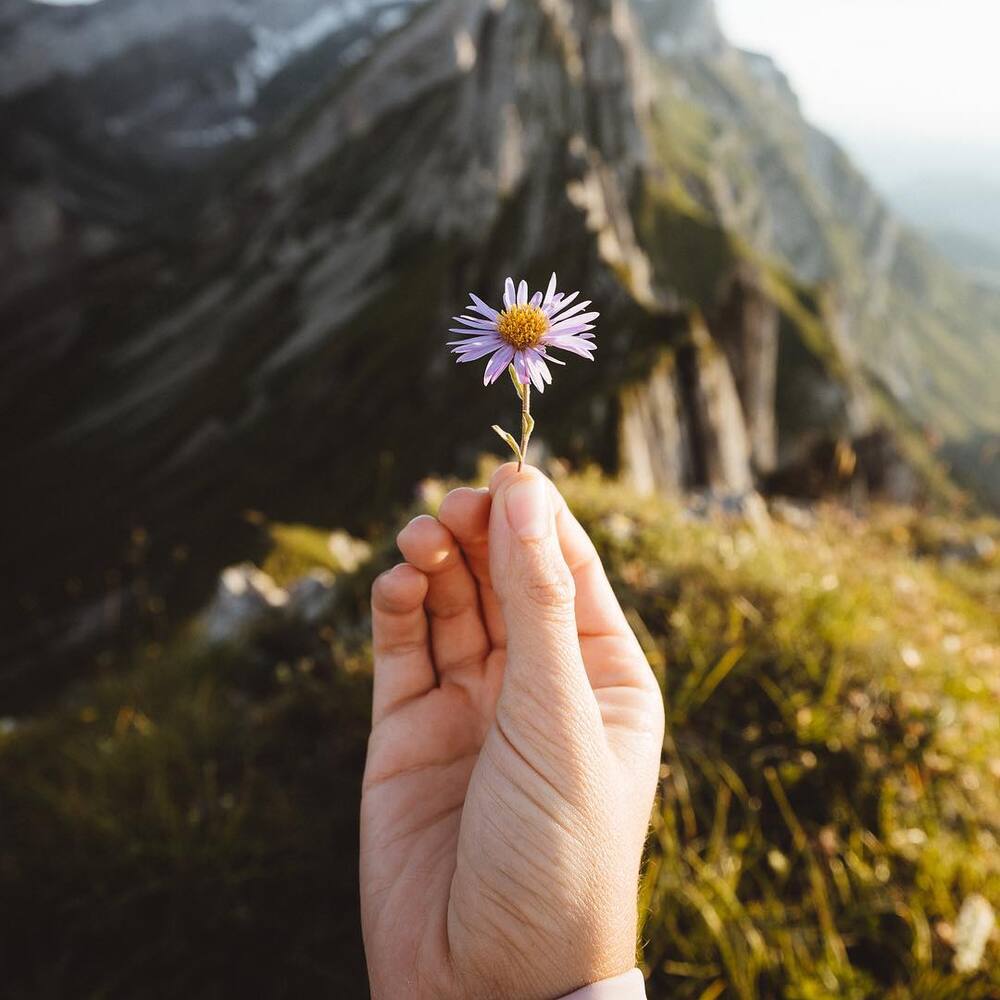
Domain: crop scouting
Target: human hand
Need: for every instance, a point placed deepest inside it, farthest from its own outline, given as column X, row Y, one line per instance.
column 513, row 758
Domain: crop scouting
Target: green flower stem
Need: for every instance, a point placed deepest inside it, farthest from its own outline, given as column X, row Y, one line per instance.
column 527, row 424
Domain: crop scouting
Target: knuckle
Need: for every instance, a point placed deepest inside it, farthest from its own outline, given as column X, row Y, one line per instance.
column 399, row 647
column 555, row 592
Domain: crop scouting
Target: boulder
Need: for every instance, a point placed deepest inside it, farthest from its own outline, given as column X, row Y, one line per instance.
column 245, row 598
column 311, row 599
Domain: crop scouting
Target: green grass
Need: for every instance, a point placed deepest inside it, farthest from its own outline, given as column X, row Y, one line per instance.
column 828, row 693
column 828, row 795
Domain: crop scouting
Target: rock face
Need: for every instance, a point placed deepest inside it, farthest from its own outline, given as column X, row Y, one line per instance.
column 173, row 80
column 721, row 450
column 908, row 321
column 655, row 445
column 682, row 26
column 112, row 114
column 683, row 427
column 272, row 338
column 747, row 327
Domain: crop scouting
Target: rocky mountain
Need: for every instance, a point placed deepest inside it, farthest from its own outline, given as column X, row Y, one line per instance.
column 169, row 81
column 931, row 340
column 262, row 329
column 978, row 257
column 112, row 109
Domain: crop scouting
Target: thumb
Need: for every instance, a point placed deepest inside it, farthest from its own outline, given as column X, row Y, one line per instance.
column 545, row 671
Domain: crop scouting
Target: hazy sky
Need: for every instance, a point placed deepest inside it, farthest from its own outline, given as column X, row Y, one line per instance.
column 892, row 79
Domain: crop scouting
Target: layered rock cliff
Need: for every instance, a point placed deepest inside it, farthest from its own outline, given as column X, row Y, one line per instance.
column 274, row 341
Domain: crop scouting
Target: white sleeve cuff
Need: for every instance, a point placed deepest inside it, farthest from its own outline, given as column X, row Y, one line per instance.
column 631, row 986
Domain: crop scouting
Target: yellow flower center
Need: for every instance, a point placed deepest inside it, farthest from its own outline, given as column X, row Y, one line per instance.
column 523, row 326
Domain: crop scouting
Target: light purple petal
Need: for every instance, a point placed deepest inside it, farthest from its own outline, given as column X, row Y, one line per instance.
column 461, row 357
column 586, row 355
column 553, row 306
column 498, row 364
column 539, row 368
column 534, row 373
column 565, row 310
column 483, row 309
column 476, row 353
column 567, row 313
column 570, row 338
column 583, row 318
column 582, row 348
column 479, row 324
column 550, row 293
column 572, row 327
column 561, row 302
column 474, row 343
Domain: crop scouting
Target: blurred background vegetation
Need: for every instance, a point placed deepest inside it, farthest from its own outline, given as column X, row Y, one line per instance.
column 231, row 239
column 827, row 818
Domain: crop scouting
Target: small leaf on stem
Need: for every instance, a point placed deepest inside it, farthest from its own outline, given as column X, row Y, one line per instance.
column 509, row 438
column 516, row 380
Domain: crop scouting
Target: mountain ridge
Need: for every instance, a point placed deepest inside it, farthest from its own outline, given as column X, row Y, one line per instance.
column 299, row 333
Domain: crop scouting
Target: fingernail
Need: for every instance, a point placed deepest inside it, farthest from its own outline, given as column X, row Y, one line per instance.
column 528, row 511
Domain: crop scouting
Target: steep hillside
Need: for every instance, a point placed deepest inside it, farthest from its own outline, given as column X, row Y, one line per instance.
column 173, row 82
column 281, row 349
column 828, row 813
column 917, row 328
column 118, row 118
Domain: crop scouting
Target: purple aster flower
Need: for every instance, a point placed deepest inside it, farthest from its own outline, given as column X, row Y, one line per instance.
column 523, row 334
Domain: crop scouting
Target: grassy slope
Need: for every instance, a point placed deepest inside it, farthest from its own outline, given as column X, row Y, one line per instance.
column 828, row 800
